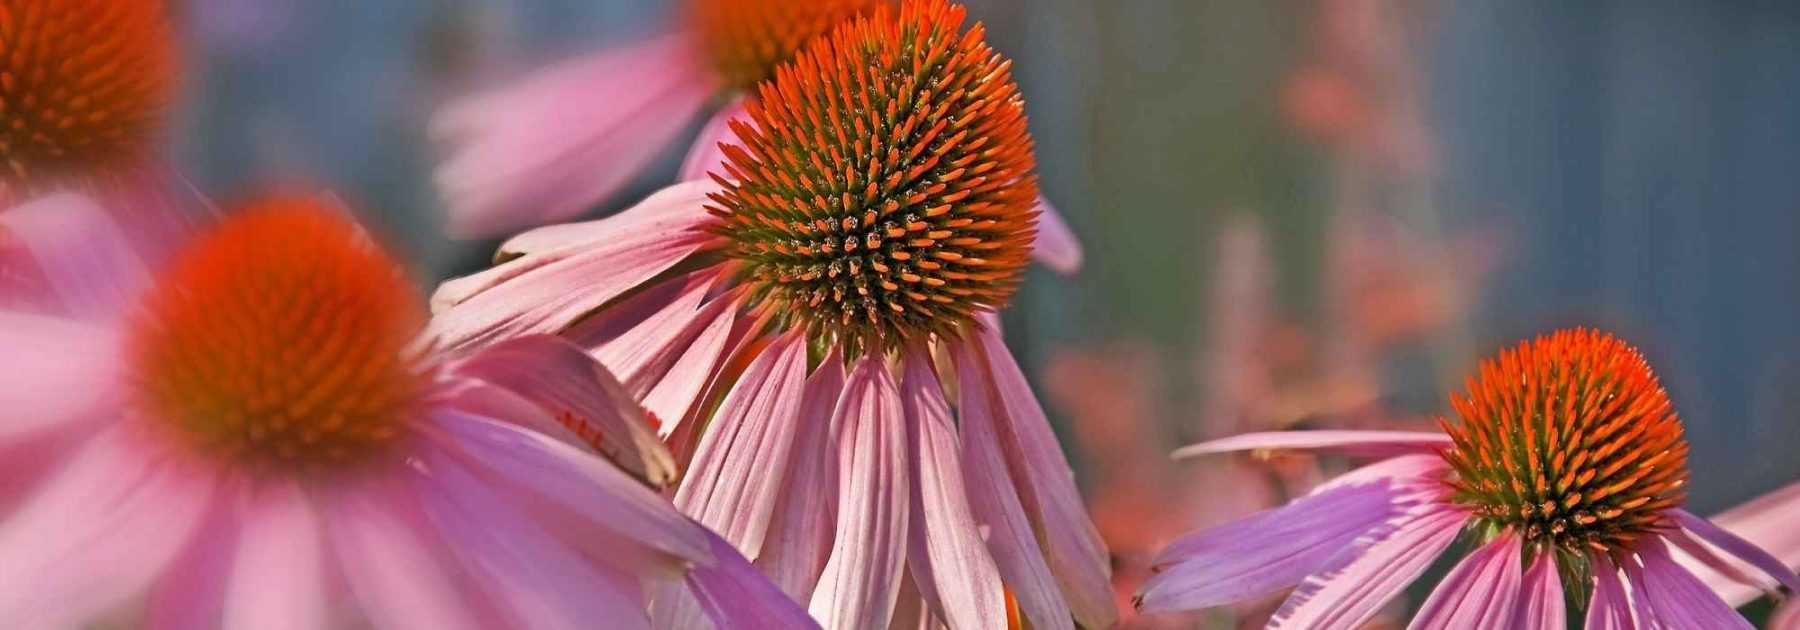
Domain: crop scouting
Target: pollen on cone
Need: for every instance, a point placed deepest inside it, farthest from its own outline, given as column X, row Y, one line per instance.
column 280, row 338
column 746, row 39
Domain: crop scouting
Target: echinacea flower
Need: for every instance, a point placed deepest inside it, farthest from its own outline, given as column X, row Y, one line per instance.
column 257, row 442
column 1565, row 470
column 816, row 334
column 561, row 141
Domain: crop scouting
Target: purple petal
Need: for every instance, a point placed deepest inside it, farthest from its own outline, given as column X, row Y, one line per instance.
column 805, row 520
column 862, row 579
column 87, row 260
column 736, row 596
column 1071, row 543
column 1541, row 599
column 565, row 140
column 706, row 157
column 1370, row 573
column 1608, row 608
column 1267, row 552
column 278, row 575
column 1056, row 246
column 1481, row 592
column 395, row 568
column 1680, row 600
column 1360, row 443
column 948, row 559
column 1766, row 522
column 739, row 470
column 1736, row 546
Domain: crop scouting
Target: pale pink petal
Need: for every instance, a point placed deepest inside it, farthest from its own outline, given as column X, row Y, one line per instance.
column 73, row 374
column 862, row 579
column 1370, row 573
column 1057, row 246
column 1046, row 485
column 1481, row 592
column 739, row 470
column 278, row 574
column 1609, row 608
column 1421, row 473
column 805, row 520
column 675, row 399
column 704, row 159
column 586, row 486
column 395, row 569
column 1680, row 600
column 1541, row 600
column 736, row 596
column 571, row 388
column 89, row 262
column 563, row 142
column 545, row 293
column 534, row 581
column 100, row 533
column 947, row 556
column 191, row 594
column 1739, row 549
column 995, row 499
column 1267, row 552
column 1357, row 443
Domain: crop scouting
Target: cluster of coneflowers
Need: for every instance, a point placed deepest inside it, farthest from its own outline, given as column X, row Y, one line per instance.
column 774, row 395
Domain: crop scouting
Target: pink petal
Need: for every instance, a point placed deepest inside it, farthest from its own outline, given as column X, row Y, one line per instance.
column 1609, row 608
column 1739, row 549
column 587, row 487
column 801, row 529
column 1680, row 600
column 191, row 594
column 862, row 579
column 89, row 263
column 1787, row 617
column 1267, row 552
column 676, row 397
column 1357, row 443
column 390, row 564
column 535, row 581
column 1481, row 592
column 547, row 292
column 947, row 557
column 1421, row 474
column 563, row 142
column 1541, row 599
column 100, row 533
column 1047, row 486
column 736, row 596
column 704, row 159
column 1056, row 246
column 738, row 472
column 566, row 383
column 74, row 374
column 995, row 500
column 278, row 577
column 1372, row 572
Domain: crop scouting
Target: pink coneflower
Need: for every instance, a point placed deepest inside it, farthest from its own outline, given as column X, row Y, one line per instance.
column 258, row 443
column 1565, row 470
column 816, row 333
column 560, row 142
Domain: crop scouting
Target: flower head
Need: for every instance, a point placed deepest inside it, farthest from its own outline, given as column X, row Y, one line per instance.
column 1565, row 468
column 747, row 39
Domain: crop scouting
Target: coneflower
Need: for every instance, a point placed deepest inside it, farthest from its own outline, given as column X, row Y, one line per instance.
column 560, row 142
column 1565, row 467
column 257, row 442
column 816, row 332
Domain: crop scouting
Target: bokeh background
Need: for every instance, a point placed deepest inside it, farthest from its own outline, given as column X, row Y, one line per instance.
column 1298, row 213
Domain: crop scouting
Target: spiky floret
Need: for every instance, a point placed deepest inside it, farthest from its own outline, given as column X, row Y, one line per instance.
column 746, row 39
column 280, row 340
column 1570, row 441
column 83, row 84
column 885, row 190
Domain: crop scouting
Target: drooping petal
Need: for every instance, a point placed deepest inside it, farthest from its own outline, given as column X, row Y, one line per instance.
column 736, row 596
column 278, row 575
column 581, row 483
column 1766, row 522
column 67, row 371
column 861, row 582
column 567, row 139
column 743, row 459
column 1609, row 608
column 1370, row 573
column 1359, row 443
column 191, row 594
column 394, row 568
column 1481, row 592
column 545, row 292
column 1057, row 247
column 89, row 263
column 1738, row 548
column 947, row 556
column 705, row 158
column 805, row 520
column 1266, row 552
column 1046, row 484
column 100, row 533
column 1680, row 600
column 1541, row 600
column 572, row 389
